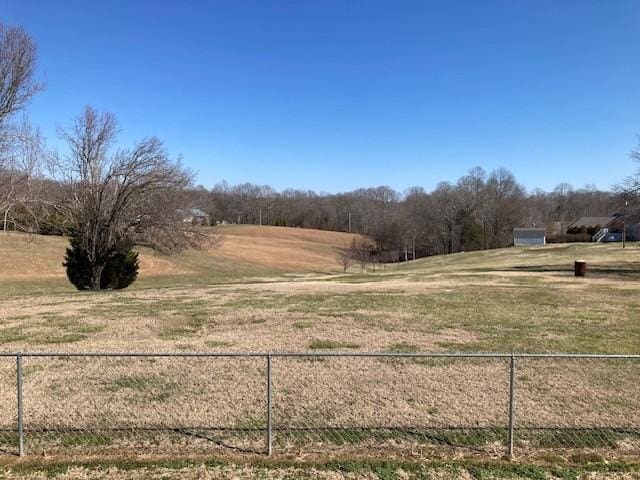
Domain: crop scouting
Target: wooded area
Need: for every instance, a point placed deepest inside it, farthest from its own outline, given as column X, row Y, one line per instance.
column 479, row 211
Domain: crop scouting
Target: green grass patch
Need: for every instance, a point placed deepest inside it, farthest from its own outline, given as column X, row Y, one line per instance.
column 144, row 388
column 217, row 343
column 318, row 344
column 49, row 329
column 382, row 469
column 85, row 439
column 402, row 347
column 303, row 325
column 13, row 334
column 184, row 326
column 588, row 438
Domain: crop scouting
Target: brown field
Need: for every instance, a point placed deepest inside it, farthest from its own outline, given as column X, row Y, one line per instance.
column 298, row 250
column 246, row 250
column 515, row 299
column 270, row 289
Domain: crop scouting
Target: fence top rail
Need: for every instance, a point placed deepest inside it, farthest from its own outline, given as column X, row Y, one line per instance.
column 327, row 354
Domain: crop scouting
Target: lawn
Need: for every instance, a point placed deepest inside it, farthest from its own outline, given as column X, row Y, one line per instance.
column 523, row 300
column 517, row 299
column 334, row 470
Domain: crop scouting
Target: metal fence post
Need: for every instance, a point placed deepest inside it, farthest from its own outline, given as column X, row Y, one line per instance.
column 20, row 406
column 269, row 429
column 512, row 405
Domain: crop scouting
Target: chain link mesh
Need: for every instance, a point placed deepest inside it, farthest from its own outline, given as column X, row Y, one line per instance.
column 159, row 404
column 8, row 406
column 190, row 404
column 390, row 403
column 587, row 404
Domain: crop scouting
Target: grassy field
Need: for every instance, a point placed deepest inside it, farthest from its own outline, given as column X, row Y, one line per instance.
column 289, row 297
column 281, row 290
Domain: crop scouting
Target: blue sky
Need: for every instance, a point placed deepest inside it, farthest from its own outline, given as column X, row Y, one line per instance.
column 334, row 95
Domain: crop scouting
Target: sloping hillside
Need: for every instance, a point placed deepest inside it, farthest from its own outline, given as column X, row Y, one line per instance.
column 246, row 252
column 31, row 262
column 602, row 258
column 298, row 250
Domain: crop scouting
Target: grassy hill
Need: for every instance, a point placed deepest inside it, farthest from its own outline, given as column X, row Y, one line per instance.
column 35, row 262
column 602, row 259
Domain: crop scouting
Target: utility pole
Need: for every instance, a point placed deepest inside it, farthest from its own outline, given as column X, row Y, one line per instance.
column 349, row 221
column 624, row 224
column 260, row 216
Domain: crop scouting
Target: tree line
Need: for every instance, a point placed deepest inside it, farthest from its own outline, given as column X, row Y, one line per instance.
column 479, row 211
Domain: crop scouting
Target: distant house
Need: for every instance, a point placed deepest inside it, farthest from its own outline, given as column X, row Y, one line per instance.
column 601, row 229
column 195, row 216
column 529, row 236
column 593, row 224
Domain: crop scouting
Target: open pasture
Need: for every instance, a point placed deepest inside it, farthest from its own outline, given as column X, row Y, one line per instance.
column 515, row 299
column 519, row 299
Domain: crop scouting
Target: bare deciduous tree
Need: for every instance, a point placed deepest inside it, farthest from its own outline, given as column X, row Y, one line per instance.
column 18, row 57
column 132, row 196
column 361, row 251
column 628, row 198
column 345, row 259
column 21, row 146
column 21, row 182
column 631, row 185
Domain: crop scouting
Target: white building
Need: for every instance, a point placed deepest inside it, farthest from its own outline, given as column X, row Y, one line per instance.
column 529, row 236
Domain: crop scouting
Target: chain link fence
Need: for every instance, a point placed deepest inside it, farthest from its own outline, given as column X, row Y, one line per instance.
column 186, row 403
column 582, row 403
column 344, row 402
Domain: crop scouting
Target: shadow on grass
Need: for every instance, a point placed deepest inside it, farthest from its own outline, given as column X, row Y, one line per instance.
column 580, row 438
column 469, row 438
column 48, row 439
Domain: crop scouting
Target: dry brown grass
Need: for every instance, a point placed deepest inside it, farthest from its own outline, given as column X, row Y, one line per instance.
column 34, row 258
column 31, row 256
column 231, row 472
column 248, row 472
column 514, row 299
column 289, row 249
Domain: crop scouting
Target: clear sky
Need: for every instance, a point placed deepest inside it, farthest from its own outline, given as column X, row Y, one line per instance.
column 336, row 94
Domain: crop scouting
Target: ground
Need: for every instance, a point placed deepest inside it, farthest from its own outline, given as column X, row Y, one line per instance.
column 34, row 263
column 334, row 470
column 285, row 295
column 282, row 290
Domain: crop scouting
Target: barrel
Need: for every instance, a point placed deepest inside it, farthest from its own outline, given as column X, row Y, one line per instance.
column 580, row 268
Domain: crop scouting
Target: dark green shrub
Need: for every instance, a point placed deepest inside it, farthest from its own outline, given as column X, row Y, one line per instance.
column 78, row 266
column 120, row 269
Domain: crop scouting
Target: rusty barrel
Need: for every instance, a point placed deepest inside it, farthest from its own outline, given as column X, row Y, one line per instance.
column 580, row 268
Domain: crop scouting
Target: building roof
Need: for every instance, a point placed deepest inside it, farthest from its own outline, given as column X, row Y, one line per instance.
column 592, row 222
column 198, row 212
column 193, row 212
column 529, row 230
